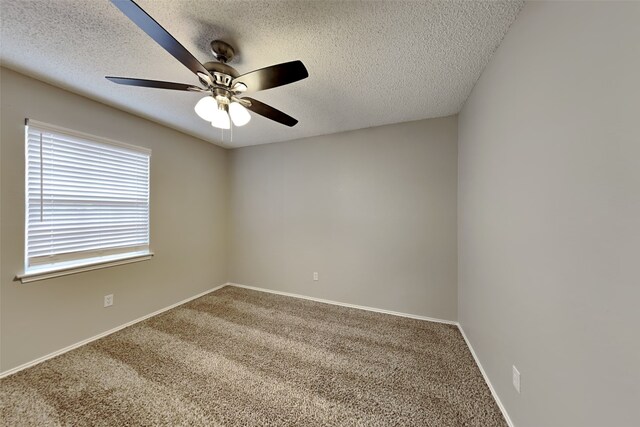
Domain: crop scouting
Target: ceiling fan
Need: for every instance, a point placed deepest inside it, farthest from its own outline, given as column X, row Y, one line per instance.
column 223, row 85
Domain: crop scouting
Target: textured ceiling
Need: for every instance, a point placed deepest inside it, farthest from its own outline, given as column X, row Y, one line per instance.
column 370, row 63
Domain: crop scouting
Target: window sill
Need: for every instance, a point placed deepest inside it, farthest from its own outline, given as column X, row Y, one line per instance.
column 79, row 267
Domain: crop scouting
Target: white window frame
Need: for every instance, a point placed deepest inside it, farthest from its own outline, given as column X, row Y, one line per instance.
column 61, row 265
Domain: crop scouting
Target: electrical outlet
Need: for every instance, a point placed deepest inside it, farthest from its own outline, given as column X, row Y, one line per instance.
column 108, row 300
column 315, row 276
column 516, row 378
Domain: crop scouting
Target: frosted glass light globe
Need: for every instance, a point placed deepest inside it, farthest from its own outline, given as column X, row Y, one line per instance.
column 239, row 114
column 206, row 108
column 220, row 118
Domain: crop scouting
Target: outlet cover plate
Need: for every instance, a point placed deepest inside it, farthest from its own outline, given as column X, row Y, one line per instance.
column 108, row 300
column 516, row 378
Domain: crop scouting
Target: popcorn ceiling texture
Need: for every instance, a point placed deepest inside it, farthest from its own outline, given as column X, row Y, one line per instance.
column 244, row 358
column 370, row 63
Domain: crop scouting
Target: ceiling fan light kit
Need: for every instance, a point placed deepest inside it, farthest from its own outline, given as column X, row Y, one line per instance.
column 219, row 112
column 222, row 84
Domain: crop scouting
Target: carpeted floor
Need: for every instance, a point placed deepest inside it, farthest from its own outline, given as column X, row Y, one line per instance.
column 244, row 358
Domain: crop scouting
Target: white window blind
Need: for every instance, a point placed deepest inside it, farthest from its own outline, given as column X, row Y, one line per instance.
column 86, row 198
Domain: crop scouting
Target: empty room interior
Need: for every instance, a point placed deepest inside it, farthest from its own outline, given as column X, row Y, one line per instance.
column 320, row 213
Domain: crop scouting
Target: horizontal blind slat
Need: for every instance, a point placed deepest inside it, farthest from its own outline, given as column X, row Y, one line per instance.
column 94, row 244
column 82, row 189
column 87, row 203
column 90, row 240
column 49, row 153
column 44, row 247
column 86, row 215
column 51, row 191
column 61, row 144
column 85, row 225
column 90, row 246
column 42, row 241
column 55, row 144
column 62, row 139
column 51, row 165
column 79, row 172
column 88, row 182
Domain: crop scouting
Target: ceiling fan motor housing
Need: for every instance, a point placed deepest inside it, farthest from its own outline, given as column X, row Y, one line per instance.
column 214, row 67
column 222, row 79
column 222, row 51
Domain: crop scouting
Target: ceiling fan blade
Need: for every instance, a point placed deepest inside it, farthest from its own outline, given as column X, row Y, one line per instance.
column 270, row 112
column 273, row 76
column 154, row 84
column 161, row 36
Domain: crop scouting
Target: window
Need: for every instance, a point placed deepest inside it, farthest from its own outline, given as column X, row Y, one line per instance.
column 87, row 201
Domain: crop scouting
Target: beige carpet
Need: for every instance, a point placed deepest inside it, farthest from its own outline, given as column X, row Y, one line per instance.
column 244, row 358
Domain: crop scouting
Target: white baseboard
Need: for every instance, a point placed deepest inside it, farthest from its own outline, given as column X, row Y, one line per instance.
column 344, row 304
column 101, row 335
column 486, row 379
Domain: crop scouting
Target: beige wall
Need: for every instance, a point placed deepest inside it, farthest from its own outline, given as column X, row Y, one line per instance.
column 549, row 215
column 373, row 211
column 189, row 196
